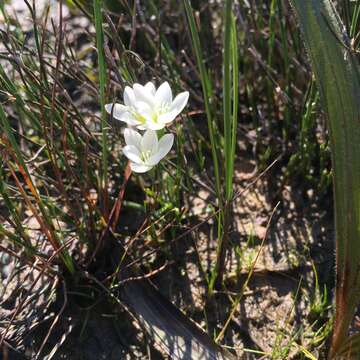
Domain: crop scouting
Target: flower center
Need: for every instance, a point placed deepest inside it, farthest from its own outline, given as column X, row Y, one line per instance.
column 136, row 115
column 145, row 155
column 159, row 110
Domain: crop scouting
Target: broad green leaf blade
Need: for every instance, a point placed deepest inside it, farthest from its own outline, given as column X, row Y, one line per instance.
column 337, row 74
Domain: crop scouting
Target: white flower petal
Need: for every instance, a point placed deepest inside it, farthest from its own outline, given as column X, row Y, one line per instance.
column 149, row 141
column 143, row 94
column 163, row 94
column 120, row 112
column 108, row 107
column 179, row 102
column 116, row 109
column 141, row 127
column 142, row 106
column 129, row 119
column 167, row 117
column 132, row 137
column 152, row 125
column 165, row 145
column 140, row 168
column 148, row 117
column 150, row 87
column 132, row 153
column 129, row 96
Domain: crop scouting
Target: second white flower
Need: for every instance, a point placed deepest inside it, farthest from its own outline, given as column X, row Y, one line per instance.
column 145, row 151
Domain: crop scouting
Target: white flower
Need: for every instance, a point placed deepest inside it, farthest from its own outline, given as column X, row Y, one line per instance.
column 145, row 151
column 148, row 108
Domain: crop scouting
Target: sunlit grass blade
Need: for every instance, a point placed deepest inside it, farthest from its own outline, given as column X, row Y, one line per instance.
column 337, row 73
column 227, row 95
column 235, row 96
column 207, row 94
column 230, row 109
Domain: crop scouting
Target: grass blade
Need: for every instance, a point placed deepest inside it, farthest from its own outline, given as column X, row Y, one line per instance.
column 102, row 83
column 227, row 99
column 46, row 221
column 207, row 93
column 230, row 108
